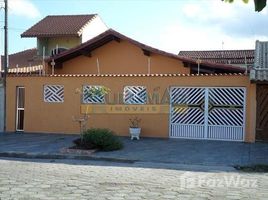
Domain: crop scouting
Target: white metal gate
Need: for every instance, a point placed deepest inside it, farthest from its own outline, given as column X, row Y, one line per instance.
column 216, row 113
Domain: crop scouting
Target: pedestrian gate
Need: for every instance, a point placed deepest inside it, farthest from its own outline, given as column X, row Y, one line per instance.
column 216, row 113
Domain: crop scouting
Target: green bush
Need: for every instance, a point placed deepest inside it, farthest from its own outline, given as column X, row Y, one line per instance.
column 80, row 144
column 103, row 139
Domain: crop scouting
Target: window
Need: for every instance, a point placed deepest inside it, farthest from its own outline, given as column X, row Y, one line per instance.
column 53, row 93
column 57, row 51
column 135, row 95
column 93, row 94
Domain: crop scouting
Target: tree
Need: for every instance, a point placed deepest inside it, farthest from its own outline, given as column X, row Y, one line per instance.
column 259, row 4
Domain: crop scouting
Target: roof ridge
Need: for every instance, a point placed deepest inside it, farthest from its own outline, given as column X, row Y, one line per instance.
column 58, row 25
column 218, row 50
column 71, row 15
column 23, row 51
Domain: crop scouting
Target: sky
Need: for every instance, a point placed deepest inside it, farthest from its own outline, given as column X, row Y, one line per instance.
column 170, row 25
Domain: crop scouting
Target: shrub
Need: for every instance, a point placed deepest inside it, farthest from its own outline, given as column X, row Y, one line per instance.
column 103, row 139
column 80, row 144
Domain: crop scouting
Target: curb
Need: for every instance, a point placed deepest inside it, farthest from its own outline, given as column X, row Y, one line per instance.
column 58, row 156
column 62, row 156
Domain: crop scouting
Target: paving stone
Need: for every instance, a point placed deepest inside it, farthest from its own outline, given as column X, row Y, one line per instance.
column 45, row 180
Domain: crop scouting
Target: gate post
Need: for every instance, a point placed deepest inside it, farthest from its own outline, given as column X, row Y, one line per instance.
column 206, row 113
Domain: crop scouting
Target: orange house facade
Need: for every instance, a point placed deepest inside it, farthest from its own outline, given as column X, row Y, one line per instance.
column 175, row 97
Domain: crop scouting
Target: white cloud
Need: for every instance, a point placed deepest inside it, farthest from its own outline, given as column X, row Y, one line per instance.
column 214, row 25
column 208, row 10
column 23, row 8
column 178, row 37
column 192, row 10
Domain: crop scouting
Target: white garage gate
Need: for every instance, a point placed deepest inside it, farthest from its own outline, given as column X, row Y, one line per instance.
column 214, row 113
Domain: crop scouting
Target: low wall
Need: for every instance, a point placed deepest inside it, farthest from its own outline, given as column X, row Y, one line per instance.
column 58, row 117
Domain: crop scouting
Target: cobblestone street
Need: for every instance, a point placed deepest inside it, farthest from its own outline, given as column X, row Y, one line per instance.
column 22, row 179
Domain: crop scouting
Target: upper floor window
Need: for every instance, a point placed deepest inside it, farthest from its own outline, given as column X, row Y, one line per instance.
column 57, row 51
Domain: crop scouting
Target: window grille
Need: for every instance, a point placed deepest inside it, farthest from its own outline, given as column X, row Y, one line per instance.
column 135, row 95
column 54, row 93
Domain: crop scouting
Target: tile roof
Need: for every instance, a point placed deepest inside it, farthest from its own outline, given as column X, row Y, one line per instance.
column 260, row 70
column 111, row 34
column 59, row 25
column 24, row 58
column 126, row 75
column 222, row 56
column 25, row 70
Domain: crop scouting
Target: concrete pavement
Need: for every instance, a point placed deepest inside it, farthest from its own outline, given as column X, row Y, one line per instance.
column 193, row 152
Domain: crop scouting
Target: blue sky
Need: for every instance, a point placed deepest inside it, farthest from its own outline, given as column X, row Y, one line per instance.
column 171, row 25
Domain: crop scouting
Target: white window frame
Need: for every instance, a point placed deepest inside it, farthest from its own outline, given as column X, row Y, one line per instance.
column 92, row 101
column 127, row 88
column 61, row 99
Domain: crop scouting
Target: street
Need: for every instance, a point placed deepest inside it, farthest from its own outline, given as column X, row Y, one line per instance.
column 55, row 179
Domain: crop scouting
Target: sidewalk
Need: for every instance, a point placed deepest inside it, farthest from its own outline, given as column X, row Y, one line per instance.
column 177, row 151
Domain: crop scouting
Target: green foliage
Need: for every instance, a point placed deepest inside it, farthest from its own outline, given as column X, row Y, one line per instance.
column 81, row 144
column 98, row 91
column 231, row 1
column 259, row 4
column 102, row 139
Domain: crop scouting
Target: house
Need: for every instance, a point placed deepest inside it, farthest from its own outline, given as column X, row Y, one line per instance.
column 110, row 40
column 259, row 75
column 23, row 62
column 174, row 96
column 243, row 58
column 54, row 33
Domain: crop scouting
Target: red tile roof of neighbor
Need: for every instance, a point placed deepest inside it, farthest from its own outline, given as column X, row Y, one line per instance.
column 59, row 25
column 24, row 58
column 111, row 35
column 222, row 56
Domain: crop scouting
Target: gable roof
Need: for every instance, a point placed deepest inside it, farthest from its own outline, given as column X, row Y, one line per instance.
column 59, row 25
column 22, row 59
column 222, row 56
column 110, row 35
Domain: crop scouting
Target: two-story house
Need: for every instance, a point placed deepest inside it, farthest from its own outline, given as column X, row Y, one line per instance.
column 55, row 34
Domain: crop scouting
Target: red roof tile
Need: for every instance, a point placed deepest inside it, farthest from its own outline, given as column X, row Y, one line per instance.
column 24, row 58
column 222, row 56
column 59, row 25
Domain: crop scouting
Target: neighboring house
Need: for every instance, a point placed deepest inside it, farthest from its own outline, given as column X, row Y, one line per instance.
column 23, row 62
column 156, row 86
column 54, row 34
column 259, row 75
column 244, row 58
column 57, row 33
